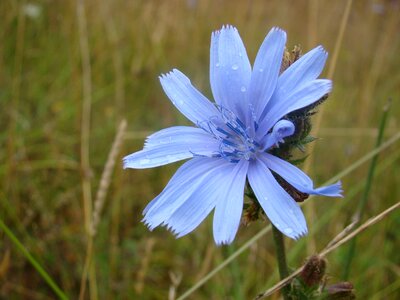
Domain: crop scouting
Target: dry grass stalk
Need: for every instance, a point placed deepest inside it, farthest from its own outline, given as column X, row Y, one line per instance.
column 86, row 111
column 310, row 210
column 85, row 133
column 99, row 204
column 175, row 281
column 331, row 71
column 141, row 274
column 106, row 177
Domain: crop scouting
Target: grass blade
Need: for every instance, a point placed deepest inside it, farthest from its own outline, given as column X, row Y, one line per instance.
column 363, row 200
column 33, row 261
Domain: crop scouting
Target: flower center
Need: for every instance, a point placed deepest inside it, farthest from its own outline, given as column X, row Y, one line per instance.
column 235, row 141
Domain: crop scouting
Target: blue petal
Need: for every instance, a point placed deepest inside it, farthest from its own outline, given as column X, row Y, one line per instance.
column 302, row 97
column 266, row 70
column 190, row 177
column 230, row 204
column 187, row 98
column 280, row 208
column 282, row 129
column 333, row 190
column 200, row 203
column 297, row 178
column 170, row 145
column 230, row 70
column 306, row 68
column 178, row 135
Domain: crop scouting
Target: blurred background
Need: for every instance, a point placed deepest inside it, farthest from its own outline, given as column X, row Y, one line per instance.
column 70, row 71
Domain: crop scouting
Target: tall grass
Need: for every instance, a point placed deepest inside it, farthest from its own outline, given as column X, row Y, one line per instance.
column 45, row 53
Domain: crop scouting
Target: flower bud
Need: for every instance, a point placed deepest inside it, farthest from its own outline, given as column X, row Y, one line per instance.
column 340, row 291
column 313, row 271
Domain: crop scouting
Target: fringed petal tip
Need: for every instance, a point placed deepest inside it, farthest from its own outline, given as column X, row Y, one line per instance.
column 151, row 226
column 320, row 49
column 174, row 230
column 167, row 75
column 148, row 224
column 220, row 243
column 334, row 190
column 227, row 27
column 126, row 163
column 302, row 234
column 164, row 76
column 293, row 233
column 279, row 31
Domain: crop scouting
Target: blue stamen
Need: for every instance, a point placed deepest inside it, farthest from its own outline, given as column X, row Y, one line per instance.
column 224, row 132
column 235, row 140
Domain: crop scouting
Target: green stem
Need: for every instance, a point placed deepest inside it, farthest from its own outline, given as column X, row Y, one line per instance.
column 33, row 261
column 237, row 281
column 281, row 257
column 364, row 198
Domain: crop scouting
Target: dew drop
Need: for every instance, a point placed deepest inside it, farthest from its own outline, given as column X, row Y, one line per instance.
column 260, row 70
column 240, row 54
column 235, row 67
column 217, row 65
column 144, row 161
column 288, row 230
column 243, row 89
column 181, row 102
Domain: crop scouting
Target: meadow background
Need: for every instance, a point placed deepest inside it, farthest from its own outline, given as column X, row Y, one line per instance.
column 70, row 71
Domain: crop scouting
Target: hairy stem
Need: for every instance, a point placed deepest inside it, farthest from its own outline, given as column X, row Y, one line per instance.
column 281, row 258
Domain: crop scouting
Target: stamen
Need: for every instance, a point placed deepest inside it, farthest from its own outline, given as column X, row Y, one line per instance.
column 236, row 140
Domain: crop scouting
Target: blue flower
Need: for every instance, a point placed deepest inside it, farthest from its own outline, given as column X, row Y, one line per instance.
column 233, row 138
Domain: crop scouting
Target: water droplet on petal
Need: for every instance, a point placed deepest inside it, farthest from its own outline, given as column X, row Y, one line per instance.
column 217, row 65
column 288, row 230
column 261, row 70
column 243, row 89
column 235, row 67
column 181, row 102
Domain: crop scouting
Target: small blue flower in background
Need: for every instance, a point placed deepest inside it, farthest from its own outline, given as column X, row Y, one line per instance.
column 232, row 139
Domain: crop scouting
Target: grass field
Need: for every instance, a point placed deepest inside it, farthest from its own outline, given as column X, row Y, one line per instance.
column 71, row 71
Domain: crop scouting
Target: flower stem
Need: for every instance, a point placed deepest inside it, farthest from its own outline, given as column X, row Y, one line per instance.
column 281, row 257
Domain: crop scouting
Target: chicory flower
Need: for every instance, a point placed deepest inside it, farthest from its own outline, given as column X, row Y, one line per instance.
column 233, row 138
